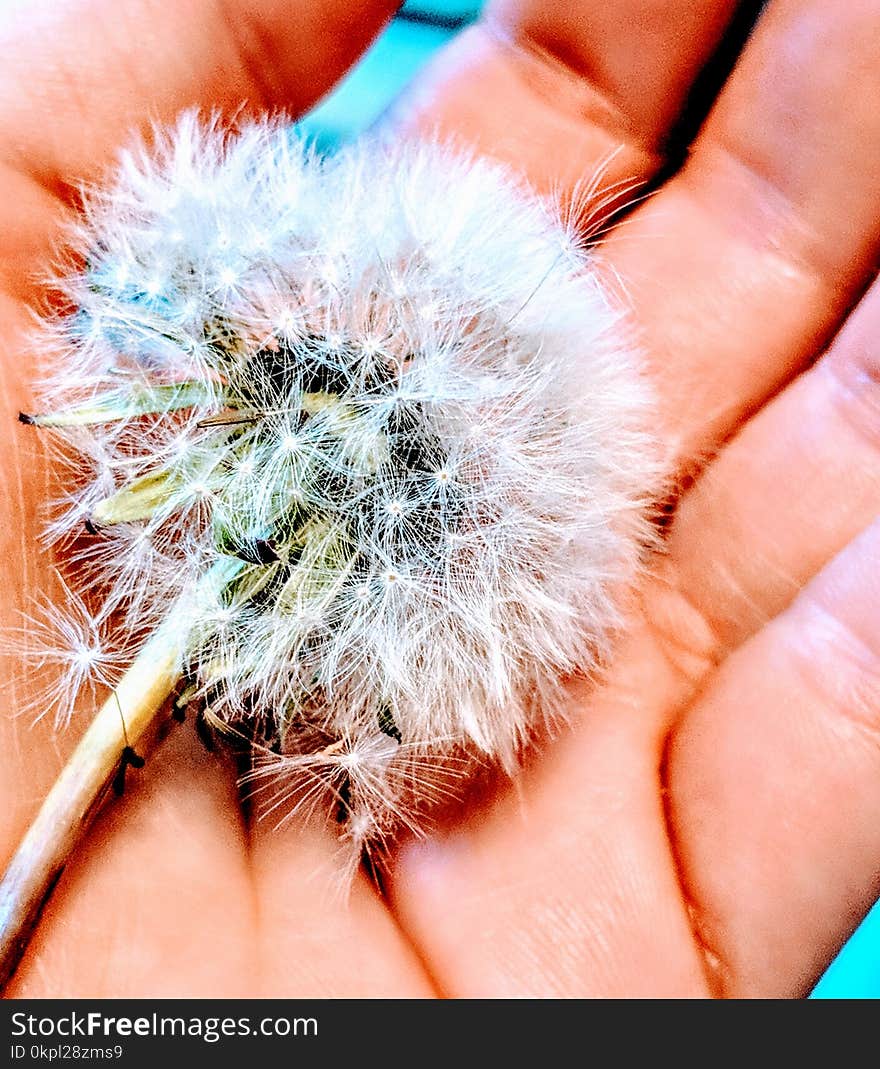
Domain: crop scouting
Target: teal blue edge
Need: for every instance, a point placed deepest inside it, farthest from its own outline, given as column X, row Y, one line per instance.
column 372, row 85
column 357, row 102
column 855, row 972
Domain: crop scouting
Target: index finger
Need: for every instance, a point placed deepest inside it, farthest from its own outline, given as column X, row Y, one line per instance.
column 78, row 75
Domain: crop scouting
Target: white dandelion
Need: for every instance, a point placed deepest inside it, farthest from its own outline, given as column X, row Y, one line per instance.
column 374, row 429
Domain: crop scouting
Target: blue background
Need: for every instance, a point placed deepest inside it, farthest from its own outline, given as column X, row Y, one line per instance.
column 418, row 31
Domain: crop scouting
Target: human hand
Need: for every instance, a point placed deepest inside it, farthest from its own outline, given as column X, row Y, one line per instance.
column 708, row 824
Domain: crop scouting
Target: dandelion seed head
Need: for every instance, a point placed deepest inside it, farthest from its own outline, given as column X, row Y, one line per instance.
column 392, row 391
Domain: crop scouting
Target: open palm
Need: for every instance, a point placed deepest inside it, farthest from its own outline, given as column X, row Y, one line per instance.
column 709, row 825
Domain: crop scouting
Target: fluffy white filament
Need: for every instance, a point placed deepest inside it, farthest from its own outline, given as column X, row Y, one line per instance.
column 389, row 385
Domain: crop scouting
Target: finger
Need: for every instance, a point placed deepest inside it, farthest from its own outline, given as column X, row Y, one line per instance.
column 78, row 76
column 158, row 901
column 774, row 781
column 557, row 89
column 790, row 491
column 323, row 935
column 745, row 263
column 565, row 885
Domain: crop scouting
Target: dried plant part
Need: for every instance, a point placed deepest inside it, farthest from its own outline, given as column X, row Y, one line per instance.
column 382, row 396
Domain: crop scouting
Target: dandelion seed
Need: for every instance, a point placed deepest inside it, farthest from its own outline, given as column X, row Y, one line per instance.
column 70, row 655
column 287, row 322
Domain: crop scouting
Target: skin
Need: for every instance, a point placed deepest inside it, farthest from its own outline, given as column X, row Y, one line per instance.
column 710, row 825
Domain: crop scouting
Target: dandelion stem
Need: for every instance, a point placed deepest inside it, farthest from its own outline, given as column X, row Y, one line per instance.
column 128, row 717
